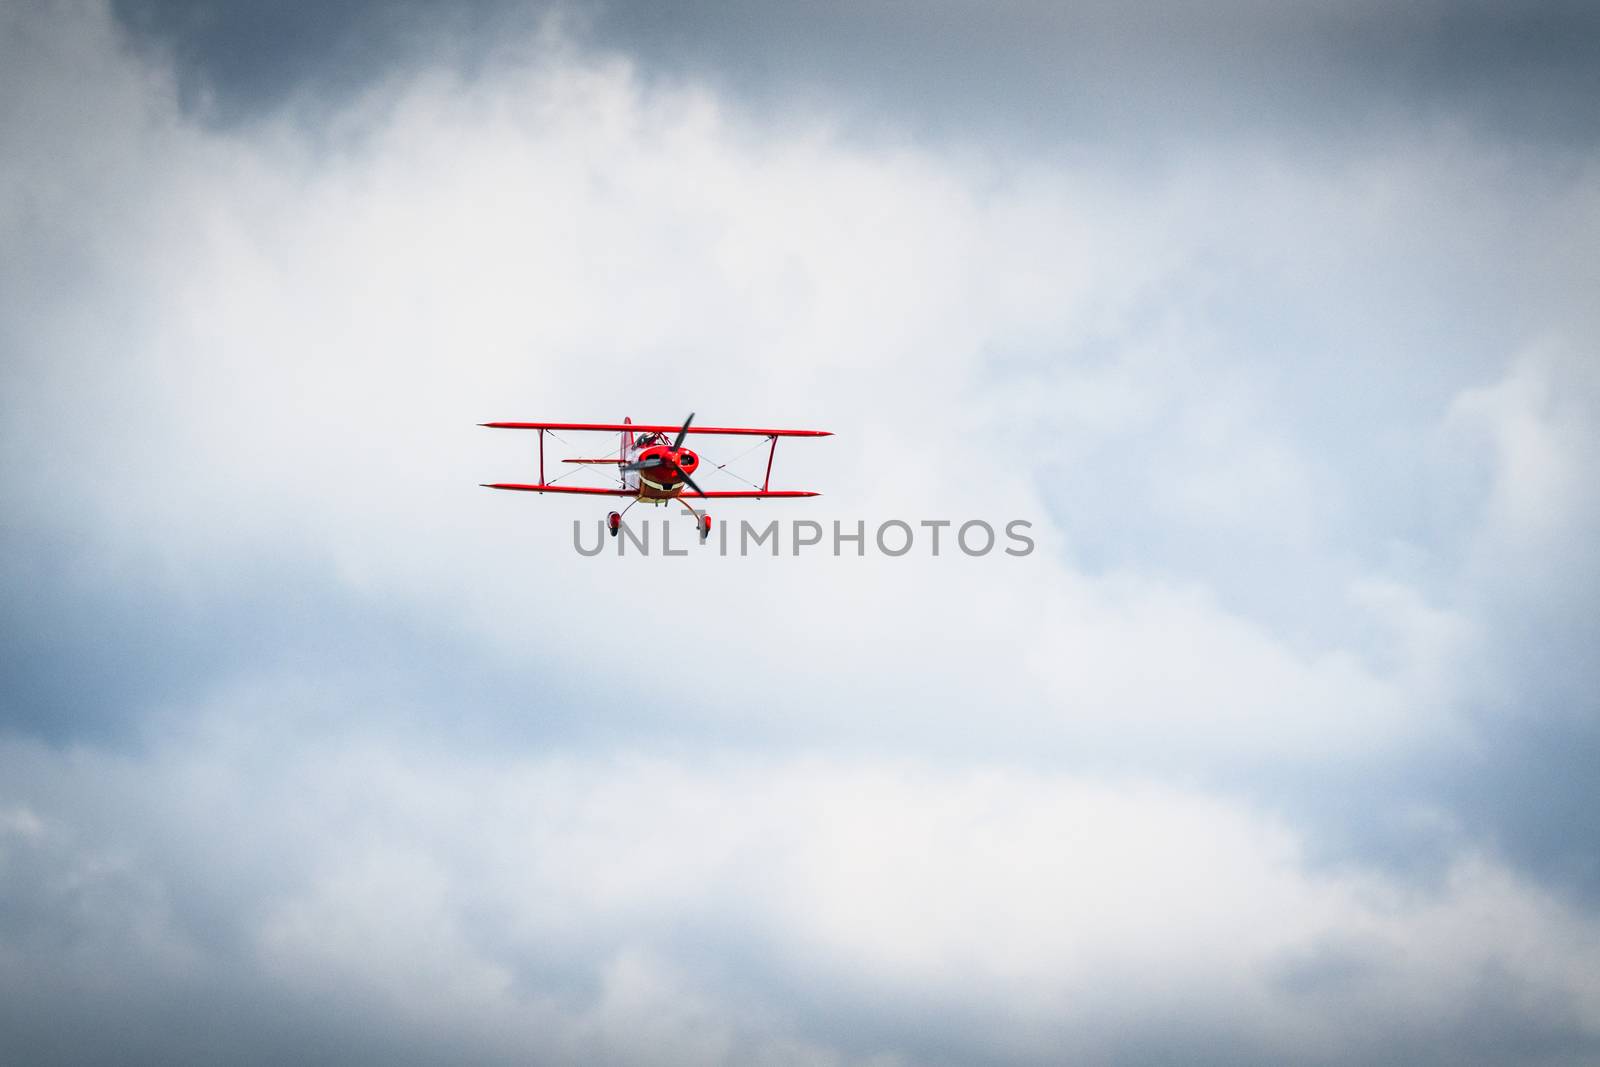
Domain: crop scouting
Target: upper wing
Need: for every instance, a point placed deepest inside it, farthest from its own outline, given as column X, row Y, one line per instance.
column 643, row 427
column 560, row 489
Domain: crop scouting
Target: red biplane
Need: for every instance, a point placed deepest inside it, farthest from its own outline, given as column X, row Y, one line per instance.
column 650, row 468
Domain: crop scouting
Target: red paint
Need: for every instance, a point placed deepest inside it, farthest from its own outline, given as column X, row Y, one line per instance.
column 646, row 428
column 558, row 489
column 664, row 481
column 737, row 494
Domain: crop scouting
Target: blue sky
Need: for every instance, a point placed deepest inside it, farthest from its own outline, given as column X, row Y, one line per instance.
column 1277, row 325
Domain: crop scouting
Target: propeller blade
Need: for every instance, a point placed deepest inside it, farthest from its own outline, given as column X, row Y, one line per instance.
column 683, row 432
column 690, row 482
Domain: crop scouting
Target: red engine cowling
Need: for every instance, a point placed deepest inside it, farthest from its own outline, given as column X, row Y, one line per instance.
column 664, row 480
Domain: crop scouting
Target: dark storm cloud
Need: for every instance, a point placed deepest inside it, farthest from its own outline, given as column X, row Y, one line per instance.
column 237, row 60
column 1027, row 71
column 1116, row 70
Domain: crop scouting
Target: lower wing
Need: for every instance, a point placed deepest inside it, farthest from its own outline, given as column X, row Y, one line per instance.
column 747, row 494
column 741, row 494
column 591, row 491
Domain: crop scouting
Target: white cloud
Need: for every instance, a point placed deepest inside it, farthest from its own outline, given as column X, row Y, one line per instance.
column 1541, row 422
column 648, row 908
column 315, row 329
column 273, row 344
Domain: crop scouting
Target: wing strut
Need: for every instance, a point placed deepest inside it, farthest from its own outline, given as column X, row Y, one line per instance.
column 764, row 480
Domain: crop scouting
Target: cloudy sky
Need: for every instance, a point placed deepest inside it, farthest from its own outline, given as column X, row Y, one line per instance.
column 1276, row 321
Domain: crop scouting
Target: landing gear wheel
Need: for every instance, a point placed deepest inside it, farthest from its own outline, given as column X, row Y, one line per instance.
column 705, row 527
column 613, row 523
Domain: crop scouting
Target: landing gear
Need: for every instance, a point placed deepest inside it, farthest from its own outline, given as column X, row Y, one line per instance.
column 702, row 519
column 614, row 519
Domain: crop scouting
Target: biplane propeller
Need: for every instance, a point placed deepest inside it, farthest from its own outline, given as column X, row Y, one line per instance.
column 651, row 469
